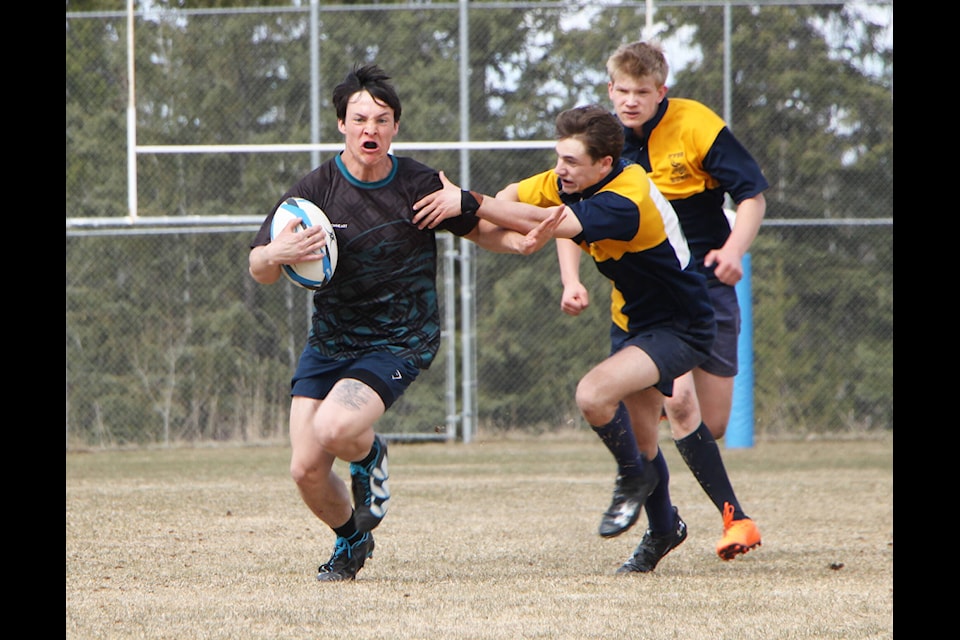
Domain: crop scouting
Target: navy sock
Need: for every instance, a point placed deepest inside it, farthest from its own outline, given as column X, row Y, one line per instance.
column 618, row 437
column 660, row 516
column 702, row 454
column 348, row 529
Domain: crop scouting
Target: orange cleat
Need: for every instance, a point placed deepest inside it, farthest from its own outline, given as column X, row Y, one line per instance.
column 739, row 536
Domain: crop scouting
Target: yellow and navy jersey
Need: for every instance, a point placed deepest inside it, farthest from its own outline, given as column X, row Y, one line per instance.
column 634, row 238
column 694, row 159
column 383, row 295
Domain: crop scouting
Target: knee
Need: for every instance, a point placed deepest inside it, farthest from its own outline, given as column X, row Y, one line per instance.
column 308, row 459
column 682, row 406
column 594, row 409
column 716, row 418
column 718, row 430
column 336, row 433
column 301, row 474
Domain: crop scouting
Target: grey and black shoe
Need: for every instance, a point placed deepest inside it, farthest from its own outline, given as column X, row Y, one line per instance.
column 653, row 547
column 629, row 496
column 347, row 559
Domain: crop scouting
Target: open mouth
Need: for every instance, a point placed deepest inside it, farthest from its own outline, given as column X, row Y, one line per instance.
column 370, row 144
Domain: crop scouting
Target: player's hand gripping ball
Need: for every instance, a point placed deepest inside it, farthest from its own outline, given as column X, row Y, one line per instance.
column 309, row 275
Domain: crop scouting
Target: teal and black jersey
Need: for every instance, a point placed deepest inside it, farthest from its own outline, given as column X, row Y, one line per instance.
column 634, row 238
column 694, row 159
column 383, row 295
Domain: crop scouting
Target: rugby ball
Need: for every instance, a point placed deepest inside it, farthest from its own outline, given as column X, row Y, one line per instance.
column 309, row 275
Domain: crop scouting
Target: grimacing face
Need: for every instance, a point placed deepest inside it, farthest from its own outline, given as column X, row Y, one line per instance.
column 576, row 169
column 368, row 128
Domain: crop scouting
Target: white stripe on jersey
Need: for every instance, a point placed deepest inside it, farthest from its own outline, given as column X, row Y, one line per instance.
column 671, row 225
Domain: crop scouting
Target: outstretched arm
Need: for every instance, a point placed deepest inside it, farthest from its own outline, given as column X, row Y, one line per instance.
column 500, row 240
column 519, row 216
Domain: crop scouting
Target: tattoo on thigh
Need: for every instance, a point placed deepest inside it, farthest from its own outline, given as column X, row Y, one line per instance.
column 352, row 393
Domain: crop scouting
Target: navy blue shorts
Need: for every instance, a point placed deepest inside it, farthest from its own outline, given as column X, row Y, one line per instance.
column 383, row 372
column 674, row 352
column 723, row 360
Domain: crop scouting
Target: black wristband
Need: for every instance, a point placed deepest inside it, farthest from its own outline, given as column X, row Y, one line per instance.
column 470, row 202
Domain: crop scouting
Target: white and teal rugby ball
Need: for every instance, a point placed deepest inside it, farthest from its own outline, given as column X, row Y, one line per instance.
column 315, row 274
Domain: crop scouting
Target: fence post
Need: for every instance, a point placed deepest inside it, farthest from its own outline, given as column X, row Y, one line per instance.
column 740, row 430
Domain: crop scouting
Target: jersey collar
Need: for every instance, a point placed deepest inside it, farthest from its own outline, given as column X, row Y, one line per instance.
column 631, row 139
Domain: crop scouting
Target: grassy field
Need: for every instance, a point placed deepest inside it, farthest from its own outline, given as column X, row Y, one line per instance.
column 491, row 540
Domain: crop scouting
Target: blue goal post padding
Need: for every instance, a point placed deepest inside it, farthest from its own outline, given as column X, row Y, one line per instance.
column 740, row 429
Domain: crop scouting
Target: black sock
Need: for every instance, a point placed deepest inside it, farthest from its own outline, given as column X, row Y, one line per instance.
column 618, row 437
column 702, row 454
column 348, row 529
column 660, row 516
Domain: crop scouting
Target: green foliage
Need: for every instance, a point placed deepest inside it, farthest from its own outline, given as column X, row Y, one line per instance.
column 822, row 333
column 186, row 361
column 518, row 319
column 169, row 338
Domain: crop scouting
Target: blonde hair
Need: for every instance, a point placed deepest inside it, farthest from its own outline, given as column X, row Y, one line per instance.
column 639, row 60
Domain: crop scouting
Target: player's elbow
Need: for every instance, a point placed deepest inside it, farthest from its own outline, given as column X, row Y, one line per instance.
column 263, row 278
column 263, row 273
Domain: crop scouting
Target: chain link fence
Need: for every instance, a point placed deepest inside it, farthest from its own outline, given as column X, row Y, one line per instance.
column 168, row 339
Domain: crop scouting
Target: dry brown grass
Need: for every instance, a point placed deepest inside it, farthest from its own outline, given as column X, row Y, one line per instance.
column 492, row 540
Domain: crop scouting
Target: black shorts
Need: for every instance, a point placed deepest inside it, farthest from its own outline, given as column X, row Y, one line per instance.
column 383, row 372
column 723, row 360
column 674, row 351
